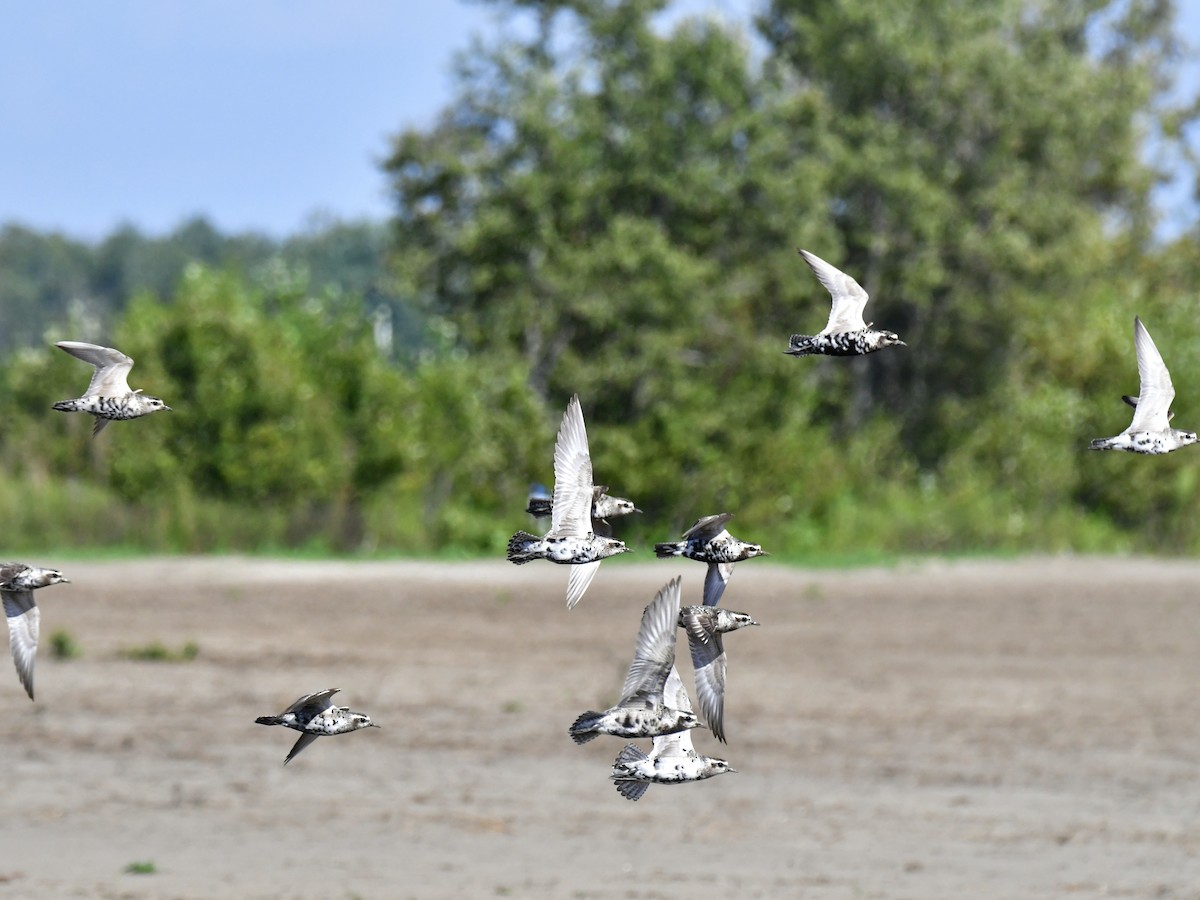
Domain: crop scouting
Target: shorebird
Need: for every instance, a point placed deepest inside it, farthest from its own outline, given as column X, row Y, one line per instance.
column 108, row 396
column 672, row 760
column 642, row 710
column 707, row 541
column 704, row 626
column 570, row 540
column 315, row 715
column 604, row 507
column 17, row 584
column 846, row 334
column 1150, row 432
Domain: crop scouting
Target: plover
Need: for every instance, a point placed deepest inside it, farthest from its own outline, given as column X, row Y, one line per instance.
column 846, row 334
column 642, row 711
column 315, row 715
column 570, row 540
column 604, row 507
column 17, row 584
column 108, row 396
column 672, row 760
column 1150, row 432
column 704, row 626
column 709, row 542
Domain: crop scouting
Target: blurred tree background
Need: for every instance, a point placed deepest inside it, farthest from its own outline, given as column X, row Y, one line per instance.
column 611, row 206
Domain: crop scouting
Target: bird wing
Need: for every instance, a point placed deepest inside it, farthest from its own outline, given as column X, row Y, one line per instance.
column 654, row 653
column 579, row 579
column 849, row 299
column 572, row 514
column 22, row 614
column 112, row 368
column 678, row 743
column 714, row 582
column 1157, row 392
column 318, row 702
column 708, row 659
column 675, row 695
column 304, row 740
column 9, row 571
column 708, row 527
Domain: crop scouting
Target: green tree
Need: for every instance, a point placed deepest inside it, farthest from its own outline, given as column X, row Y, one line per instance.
column 43, row 278
column 981, row 158
column 617, row 206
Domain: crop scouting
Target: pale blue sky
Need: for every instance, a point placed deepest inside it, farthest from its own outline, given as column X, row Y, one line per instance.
column 255, row 114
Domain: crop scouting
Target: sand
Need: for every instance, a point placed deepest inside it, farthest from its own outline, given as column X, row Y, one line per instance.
column 1003, row 729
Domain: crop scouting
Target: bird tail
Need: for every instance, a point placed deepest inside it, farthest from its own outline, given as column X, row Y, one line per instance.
column 69, row 406
column 631, row 790
column 662, row 551
column 629, row 755
column 542, row 507
column 268, row 720
column 519, row 547
column 800, row 345
column 584, row 728
column 1101, row 444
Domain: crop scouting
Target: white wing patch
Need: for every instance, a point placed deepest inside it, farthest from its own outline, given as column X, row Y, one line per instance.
column 654, row 653
column 112, row 368
column 572, row 513
column 679, row 743
column 579, row 579
column 849, row 299
column 22, row 615
column 1156, row 392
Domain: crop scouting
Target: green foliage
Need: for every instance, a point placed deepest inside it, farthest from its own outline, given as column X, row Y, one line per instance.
column 158, row 652
column 47, row 280
column 143, row 867
column 64, row 646
column 618, row 208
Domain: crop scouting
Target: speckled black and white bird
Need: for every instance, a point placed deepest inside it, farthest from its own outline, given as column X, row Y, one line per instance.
column 571, row 539
column 846, row 334
column 642, row 711
column 315, row 715
column 108, row 396
column 17, row 584
column 672, row 760
column 708, row 542
column 604, row 507
column 704, row 626
column 1150, row 432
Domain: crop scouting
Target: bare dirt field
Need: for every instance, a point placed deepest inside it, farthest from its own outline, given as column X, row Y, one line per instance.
column 979, row 729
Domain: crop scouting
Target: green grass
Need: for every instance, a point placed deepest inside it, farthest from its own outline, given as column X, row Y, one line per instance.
column 158, row 652
column 143, row 867
column 63, row 646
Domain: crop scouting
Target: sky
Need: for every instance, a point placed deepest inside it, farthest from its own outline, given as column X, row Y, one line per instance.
column 259, row 115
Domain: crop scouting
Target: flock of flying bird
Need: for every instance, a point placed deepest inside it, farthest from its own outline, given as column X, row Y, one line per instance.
column 654, row 702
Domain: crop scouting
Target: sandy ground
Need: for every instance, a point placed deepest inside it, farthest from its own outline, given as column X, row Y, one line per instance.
column 978, row 729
